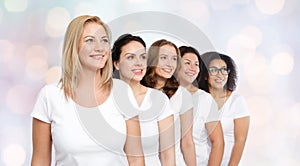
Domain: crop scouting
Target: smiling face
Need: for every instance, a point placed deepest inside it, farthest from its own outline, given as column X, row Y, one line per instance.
column 189, row 68
column 133, row 62
column 94, row 47
column 167, row 61
column 219, row 80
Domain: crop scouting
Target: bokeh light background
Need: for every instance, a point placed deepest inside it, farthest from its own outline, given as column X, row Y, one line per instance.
column 261, row 35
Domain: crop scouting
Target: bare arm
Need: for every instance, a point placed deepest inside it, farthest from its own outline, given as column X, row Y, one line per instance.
column 217, row 141
column 166, row 141
column 187, row 142
column 133, row 146
column 42, row 143
column 241, row 127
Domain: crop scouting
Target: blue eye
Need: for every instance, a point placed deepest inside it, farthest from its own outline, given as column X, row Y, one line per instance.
column 105, row 41
column 90, row 40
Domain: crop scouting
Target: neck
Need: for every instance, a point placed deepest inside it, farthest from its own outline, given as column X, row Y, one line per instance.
column 218, row 93
column 189, row 86
column 89, row 79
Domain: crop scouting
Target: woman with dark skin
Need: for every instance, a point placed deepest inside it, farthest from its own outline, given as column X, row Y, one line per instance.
column 207, row 130
column 218, row 77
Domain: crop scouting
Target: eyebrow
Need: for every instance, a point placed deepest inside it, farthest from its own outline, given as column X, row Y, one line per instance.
column 167, row 55
column 190, row 60
column 217, row 67
column 94, row 36
column 129, row 53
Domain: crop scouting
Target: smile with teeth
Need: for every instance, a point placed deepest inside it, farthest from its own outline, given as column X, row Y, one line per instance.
column 137, row 71
column 190, row 73
column 97, row 56
column 219, row 80
column 167, row 70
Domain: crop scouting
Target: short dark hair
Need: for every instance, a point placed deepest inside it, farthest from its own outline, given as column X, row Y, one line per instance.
column 203, row 77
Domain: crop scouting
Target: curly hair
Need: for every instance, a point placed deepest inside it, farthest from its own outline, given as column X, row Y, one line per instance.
column 150, row 79
column 203, row 77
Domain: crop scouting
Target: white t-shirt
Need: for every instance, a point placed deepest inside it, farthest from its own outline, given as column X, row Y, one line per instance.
column 181, row 102
column 83, row 136
column 205, row 110
column 155, row 107
column 234, row 108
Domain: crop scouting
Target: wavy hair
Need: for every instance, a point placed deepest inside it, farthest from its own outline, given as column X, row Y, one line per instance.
column 150, row 79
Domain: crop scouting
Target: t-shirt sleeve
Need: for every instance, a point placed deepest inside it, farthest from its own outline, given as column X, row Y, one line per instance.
column 240, row 108
column 40, row 110
column 167, row 110
column 187, row 101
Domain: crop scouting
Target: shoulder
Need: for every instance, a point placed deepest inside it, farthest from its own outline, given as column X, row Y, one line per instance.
column 157, row 94
column 202, row 95
column 51, row 89
column 237, row 98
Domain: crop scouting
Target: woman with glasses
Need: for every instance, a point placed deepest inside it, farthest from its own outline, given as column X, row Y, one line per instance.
column 218, row 76
column 207, row 130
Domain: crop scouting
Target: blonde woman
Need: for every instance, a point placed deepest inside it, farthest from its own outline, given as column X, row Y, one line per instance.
column 86, row 88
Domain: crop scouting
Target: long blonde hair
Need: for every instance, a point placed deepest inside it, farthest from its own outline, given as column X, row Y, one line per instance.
column 71, row 66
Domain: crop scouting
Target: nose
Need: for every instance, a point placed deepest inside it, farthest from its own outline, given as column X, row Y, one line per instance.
column 99, row 46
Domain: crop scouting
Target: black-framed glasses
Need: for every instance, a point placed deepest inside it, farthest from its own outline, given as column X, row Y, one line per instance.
column 214, row 71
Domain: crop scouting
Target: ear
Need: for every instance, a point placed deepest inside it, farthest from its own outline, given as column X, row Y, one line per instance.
column 205, row 78
column 116, row 64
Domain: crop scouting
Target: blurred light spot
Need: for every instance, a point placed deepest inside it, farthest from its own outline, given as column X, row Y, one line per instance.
column 19, row 99
column 14, row 155
column 282, row 63
column 220, row 4
column 84, row 8
column 7, row 51
column 53, row 74
column 57, row 21
column 198, row 11
column 15, row 5
column 224, row 5
column 254, row 34
column 258, row 67
column 36, row 62
column 242, row 48
column 270, row 6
